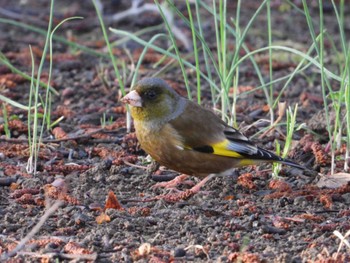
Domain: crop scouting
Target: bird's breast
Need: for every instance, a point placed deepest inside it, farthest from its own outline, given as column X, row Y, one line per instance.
column 158, row 140
column 166, row 146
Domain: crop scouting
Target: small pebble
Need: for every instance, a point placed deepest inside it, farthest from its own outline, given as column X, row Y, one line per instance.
column 346, row 198
column 179, row 252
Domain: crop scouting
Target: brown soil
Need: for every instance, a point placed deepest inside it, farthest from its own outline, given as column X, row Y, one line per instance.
column 247, row 216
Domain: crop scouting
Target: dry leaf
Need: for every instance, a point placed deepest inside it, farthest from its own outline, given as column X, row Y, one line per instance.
column 103, row 218
column 334, row 181
column 112, row 202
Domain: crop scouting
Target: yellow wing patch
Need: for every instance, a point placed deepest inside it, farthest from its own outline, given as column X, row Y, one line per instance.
column 222, row 149
column 246, row 162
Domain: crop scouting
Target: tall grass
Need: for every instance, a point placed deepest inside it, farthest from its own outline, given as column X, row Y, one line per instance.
column 34, row 141
column 176, row 49
column 37, row 121
column 222, row 64
column 290, row 123
column 334, row 99
column 344, row 92
column 110, row 51
column 6, row 121
column 195, row 48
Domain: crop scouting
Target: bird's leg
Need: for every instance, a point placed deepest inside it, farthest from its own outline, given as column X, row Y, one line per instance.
column 152, row 167
column 184, row 195
column 172, row 183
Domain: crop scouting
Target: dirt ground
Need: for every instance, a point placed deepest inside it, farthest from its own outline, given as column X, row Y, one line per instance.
column 247, row 216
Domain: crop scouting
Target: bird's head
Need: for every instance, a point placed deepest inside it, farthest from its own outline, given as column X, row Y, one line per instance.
column 153, row 99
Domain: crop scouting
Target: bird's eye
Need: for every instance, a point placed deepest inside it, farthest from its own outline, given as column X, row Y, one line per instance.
column 151, row 94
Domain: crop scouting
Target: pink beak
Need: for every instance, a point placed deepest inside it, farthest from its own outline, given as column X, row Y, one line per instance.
column 133, row 99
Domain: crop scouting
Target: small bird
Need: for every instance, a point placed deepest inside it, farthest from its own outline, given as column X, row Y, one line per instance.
column 186, row 137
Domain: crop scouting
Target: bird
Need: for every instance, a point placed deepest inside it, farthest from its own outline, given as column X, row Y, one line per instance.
column 188, row 138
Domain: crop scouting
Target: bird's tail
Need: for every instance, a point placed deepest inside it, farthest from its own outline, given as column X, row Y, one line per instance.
column 269, row 156
column 293, row 164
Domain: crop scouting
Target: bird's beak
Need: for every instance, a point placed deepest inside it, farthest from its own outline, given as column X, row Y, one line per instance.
column 133, row 99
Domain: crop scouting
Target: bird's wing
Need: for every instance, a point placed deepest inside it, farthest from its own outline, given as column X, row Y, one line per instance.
column 234, row 144
column 201, row 130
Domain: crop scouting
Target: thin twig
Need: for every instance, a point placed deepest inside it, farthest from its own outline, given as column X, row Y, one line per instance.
column 84, row 136
column 135, row 165
column 77, row 257
column 35, row 229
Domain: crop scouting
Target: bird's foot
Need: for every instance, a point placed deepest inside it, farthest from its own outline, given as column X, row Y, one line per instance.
column 174, row 198
column 184, row 195
column 172, row 183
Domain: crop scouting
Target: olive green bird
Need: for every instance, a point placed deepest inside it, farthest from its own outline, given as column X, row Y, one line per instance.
column 186, row 137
